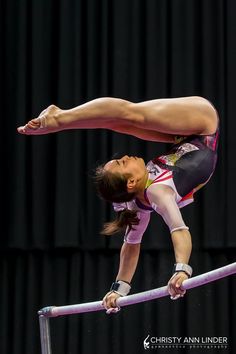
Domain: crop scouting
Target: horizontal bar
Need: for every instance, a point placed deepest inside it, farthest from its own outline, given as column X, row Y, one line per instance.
column 216, row 274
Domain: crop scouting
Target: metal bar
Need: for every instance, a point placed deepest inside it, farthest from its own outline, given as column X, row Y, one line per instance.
column 149, row 295
column 45, row 335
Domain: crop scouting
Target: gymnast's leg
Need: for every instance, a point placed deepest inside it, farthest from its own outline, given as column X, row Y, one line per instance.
column 150, row 120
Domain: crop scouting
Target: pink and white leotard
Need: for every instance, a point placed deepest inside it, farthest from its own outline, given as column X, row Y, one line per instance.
column 172, row 181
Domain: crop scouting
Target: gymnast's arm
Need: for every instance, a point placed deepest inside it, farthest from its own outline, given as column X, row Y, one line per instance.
column 162, row 199
column 129, row 256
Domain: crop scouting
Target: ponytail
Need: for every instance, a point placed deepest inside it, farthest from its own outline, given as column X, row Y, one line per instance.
column 125, row 218
column 112, row 187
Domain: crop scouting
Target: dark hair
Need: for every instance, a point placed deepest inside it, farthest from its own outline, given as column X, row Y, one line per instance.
column 112, row 187
column 123, row 219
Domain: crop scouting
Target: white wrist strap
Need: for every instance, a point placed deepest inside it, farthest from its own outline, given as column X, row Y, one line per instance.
column 120, row 287
column 182, row 267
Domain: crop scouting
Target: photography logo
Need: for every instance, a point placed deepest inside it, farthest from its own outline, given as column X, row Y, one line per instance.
column 146, row 343
column 154, row 342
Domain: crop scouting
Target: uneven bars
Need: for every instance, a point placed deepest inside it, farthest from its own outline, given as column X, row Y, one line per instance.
column 54, row 311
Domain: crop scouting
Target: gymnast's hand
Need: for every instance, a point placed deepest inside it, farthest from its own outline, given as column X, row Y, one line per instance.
column 109, row 302
column 174, row 285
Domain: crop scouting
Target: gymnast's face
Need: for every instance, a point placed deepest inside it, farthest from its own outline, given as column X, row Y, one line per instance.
column 128, row 165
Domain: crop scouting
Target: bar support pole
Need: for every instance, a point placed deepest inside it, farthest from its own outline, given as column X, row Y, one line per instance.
column 45, row 337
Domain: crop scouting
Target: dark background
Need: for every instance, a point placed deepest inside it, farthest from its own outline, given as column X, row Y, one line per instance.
column 67, row 52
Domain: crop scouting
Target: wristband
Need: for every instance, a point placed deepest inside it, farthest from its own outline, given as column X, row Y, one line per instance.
column 120, row 287
column 182, row 267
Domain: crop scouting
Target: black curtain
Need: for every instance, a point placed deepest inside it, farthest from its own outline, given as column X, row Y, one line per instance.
column 67, row 52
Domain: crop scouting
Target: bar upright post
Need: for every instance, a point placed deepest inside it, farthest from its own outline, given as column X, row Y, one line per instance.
column 45, row 335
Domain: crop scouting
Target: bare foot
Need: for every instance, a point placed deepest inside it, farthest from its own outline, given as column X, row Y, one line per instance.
column 45, row 123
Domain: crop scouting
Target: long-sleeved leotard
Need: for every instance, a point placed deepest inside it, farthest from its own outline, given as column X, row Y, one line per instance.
column 172, row 181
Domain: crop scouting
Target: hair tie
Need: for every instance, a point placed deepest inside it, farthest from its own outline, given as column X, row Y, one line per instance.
column 119, row 206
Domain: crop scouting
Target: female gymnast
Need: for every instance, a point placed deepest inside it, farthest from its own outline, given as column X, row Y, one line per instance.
column 164, row 185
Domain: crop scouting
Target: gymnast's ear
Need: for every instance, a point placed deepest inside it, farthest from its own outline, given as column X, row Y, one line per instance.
column 131, row 185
